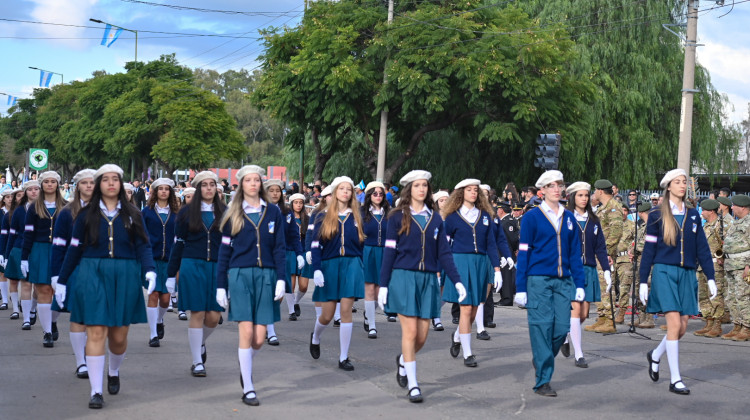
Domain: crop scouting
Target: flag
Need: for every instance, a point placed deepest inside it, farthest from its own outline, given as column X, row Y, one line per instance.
column 110, row 36
column 361, row 184
column 44, row 78
column 12, row 100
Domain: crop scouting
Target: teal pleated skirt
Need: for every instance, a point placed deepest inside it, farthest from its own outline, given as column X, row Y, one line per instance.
column 372, row 259
column 161, row 277
column 592, row 289
column 197, row 286
column 68, row 294
column 13, row 268
column 251, row 292
column 476, row 274
column 39, row 263
column 673, row 289
column 344, row 278
column 414, row 293
column 108, row 292
column 307, row 271
column 291, row 269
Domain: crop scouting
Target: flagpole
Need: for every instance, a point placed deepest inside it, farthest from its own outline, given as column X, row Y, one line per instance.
column 124, row 29
column 62, row 80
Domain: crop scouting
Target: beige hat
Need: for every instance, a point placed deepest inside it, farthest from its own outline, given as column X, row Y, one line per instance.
column 29, row 184
column 340, row 179
column 578, row 186
column 187, row 191
column 438, row 195
column 413, row 176
column 250, row 169
column 271, row 182
column 49, row 175
column 105, row 169
column 296, row 196
column 202, row 176
column 128, row 186
column 669, row 176
column 467, row 182
column 83, row 174
column 374, row 184
column 326, row 191
column 549, row 177
column 162, row 181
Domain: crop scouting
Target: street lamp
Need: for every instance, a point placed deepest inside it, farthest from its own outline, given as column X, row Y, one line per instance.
column 124, row 29
column 62, row 80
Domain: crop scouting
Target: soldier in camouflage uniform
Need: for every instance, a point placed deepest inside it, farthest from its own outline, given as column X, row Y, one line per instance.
column 712, row 309
column 624, row 266
column 737, row 268
column 609, row 213
column 645, row 319
column 725, row 204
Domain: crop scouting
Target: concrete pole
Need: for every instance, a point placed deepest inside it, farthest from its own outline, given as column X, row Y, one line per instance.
column 383, row 118
column 688, row 88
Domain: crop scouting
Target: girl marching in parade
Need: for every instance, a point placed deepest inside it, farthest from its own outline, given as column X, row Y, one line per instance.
column 549, row 276
column 468, row 226
column 110, row 248
column 251, row 269
column 594, row 248
column 194, row 255
column 8, row 197
column 337, row 261
column 439, row 199
column 187, row 196
column 159, row 217
column 7, row 247
column 14, row 271
column 301, row 219
column 415, row 248
column 675, row 241
column 84, row 188
column 374, row 214
column 325, row 199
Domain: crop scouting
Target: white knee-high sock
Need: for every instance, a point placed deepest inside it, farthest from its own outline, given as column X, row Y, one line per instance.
column 659, row 350
column 4, row 290
column 14, row 301
column 337, row 314
column 162, row 311
column 246, row 368
column 152, row 314
column 33, row 303
column 318, row 311
column 270, row 331
column 289, row 297
column 300, row 294
column 55, row 315
column 479, row 319
column 370, row 313
column 44, row 311
column 456, row 336
column 26, row 306
column 345, row 338
column 95, row 365
column 195, row 338
column 78, row 342
column 319, row 328
column 673, row 356
column 115, row 361
column 207, row 331
column 402, row 370
column 465, row 344
column 411, row 373
column 575, row 337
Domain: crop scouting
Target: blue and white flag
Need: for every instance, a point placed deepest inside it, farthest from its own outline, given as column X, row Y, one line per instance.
column 44, row 78
column 110, row 36
column 12, row 100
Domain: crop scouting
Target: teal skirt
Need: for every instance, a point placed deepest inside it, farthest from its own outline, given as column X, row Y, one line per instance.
column 476, row 274
column 161, row 277
column 108, row 292
column 414, row 293
column 592, row 289
column 307, row 271
column 372, row 258
column 39, row 263
column 68, row 294
column 344, row 278
column 13, row 268
column 251, row 292
column 197, row 286
column 673, row 289
column 291, row 269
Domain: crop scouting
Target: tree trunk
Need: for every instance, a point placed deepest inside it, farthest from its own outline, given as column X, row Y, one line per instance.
column 321, row 159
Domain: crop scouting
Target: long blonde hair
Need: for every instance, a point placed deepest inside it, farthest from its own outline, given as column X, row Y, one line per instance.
column 669, row 225
column 235, row 214
column 456, row 200
column 41, row 208
column 330, row 226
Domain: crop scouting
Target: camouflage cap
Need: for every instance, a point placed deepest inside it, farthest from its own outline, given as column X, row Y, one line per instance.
column 645, row 206
column 709, row 204
column 725, row 201
column 741, row 200
column 602, row 184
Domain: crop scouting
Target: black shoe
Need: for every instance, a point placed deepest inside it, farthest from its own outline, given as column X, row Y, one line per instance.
column 653, row 374
column 680, row 391
column 221, row 319
column 470, row 361
column 32, row 317
column 26, row 326
column 437, row 326
column 346, row 364
column 545, row 391
column 82, row 374
column 354, row 310
column 373, row 333
column 15, row 315
column 96, row 401
column 204, row 353
column 491, row 324
column 565, row 349
column 154, row 342
column 455, row 347
column 273, row 340
column 416, row 398
column 182, row 316
column 3, row 306
column 314, row 348
column 484, row 335
column 113, row 384
column 366, row 325
column 47, row 340
column 250, row 398
column 55, row 332
column 401, row 380
column 455, row 320
column 297, row 310
column 160, row 330
column 337, row 323
column 581, row 363
column 392, row 318
column 199, row 371
column 292, row 317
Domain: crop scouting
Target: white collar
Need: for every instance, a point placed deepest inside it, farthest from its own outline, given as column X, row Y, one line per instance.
column 345, row 212
column 83, row 203
column 424, row 212
column 675, row 210
column 373, row 210
column 247, row 208
column 207, row 206
column 50, row 204
column 107, row 212
column 164, row 210
column 582, row 217
column 465, row 210
column 548, row 209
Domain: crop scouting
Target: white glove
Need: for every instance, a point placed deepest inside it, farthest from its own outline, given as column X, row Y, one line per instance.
column 280, row 289
column 5, row 262
column 308, row 257
column 503, row 262
column 511, row 264
column 608, row 279
column 498, row 281
column 54, row 282
column 580, row 294
column 151, row 279
column 318, row 278
column 521, row 298
column 221, row 298
column 60, row 293
column 300, row 262
column 382, row 297
column 2, row 261
column 24, row 268
column 643, row 292
column 712, row 288
column 461, row 292
column 171, row 281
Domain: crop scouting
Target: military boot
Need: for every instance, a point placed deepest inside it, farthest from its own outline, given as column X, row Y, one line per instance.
column 663, row 327
column 706, row 328
column 646, row 320
column 606, row 327
column 743, row 335
column 596, row 324
column 730, row 334
column 715, row 330
column 620, row 317
column 727, row 318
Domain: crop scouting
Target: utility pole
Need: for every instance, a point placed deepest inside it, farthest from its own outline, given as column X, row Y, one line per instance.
column 380, row 175
column 688, row 88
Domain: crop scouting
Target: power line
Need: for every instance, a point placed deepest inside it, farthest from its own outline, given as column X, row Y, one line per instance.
column 199, row 9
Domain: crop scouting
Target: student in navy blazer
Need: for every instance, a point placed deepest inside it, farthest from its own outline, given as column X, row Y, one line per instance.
column 325, row 199
column 15, row 270
column 301, row 220
column 5, row 248
column 375, row 220
column 8, row 197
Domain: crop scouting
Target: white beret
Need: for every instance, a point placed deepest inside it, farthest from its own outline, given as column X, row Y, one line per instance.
column 374, row 184
column 162, row 181
column 29, row 184
column 578, row 186
column 467, row 182
column 189, row 190
column 669, row 176
column 7, row 191
column 83, row 174
column 202, row 176
column 340, row 179
column 128, row 186
column 17, row 189
column 271, row 182
column 105, row 169
column 296, row 196
column 250, row 169
column 220, row 188
column 485, row 187
column 413, row 176
column 549, row 177
column 49, row 175
column 398, row 200
column 326, row 191
column 438, row 195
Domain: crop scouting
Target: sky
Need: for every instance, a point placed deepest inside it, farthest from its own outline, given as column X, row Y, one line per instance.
column 233, row 41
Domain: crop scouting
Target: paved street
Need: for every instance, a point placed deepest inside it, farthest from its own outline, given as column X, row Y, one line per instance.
column 156, row 383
